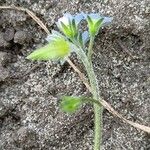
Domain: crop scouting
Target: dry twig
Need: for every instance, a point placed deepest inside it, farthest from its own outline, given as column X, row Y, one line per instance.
column 30, row 13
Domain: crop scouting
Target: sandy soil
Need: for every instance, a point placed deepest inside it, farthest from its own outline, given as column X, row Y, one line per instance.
column 30, row 118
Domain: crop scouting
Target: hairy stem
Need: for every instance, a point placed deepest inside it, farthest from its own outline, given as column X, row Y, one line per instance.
column 90, row 51
column 95, row 92
column 97, row 111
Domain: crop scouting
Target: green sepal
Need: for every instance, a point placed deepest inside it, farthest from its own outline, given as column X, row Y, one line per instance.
column 70, row 104
column 90, row 22
column 98, row 25
column 94, row 26
column 91, row 26
column 80, row 40
column 66, row 30
column 73, row 24
column 74, row 28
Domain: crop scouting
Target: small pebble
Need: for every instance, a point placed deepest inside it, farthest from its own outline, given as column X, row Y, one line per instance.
column 1, row 20
column 4, row 73
column 2, row 109
column 20, row 37
column 9, row 34
column 3, row 55
column 3, row 42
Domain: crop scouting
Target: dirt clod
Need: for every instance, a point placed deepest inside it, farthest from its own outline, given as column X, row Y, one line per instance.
column 9, row 34
column 4, row 73
column 20, row 37
column 3, row 42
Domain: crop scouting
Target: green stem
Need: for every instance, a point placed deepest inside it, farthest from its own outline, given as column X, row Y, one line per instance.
column 90, row 51
column 91, row 100
column 95, row 91
column 97, row 111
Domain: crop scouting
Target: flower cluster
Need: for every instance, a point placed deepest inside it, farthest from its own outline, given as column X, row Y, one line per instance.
column 95, row 21
column 59, row 45
column 69, row 24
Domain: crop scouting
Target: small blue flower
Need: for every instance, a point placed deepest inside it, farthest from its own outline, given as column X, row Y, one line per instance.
column 95, row 21
column 68, row 24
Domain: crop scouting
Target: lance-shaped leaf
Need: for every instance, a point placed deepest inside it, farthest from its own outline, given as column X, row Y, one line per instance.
column 70, row 104
column 57, row 48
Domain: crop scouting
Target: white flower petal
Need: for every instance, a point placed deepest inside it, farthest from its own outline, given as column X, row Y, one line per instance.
column 65, row 19
column 69, row 16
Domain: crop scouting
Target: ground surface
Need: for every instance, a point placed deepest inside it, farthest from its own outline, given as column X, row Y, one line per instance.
column 29, row 91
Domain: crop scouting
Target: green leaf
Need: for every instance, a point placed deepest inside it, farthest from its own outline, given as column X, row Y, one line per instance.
column 70, row 104
column 57, row 48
